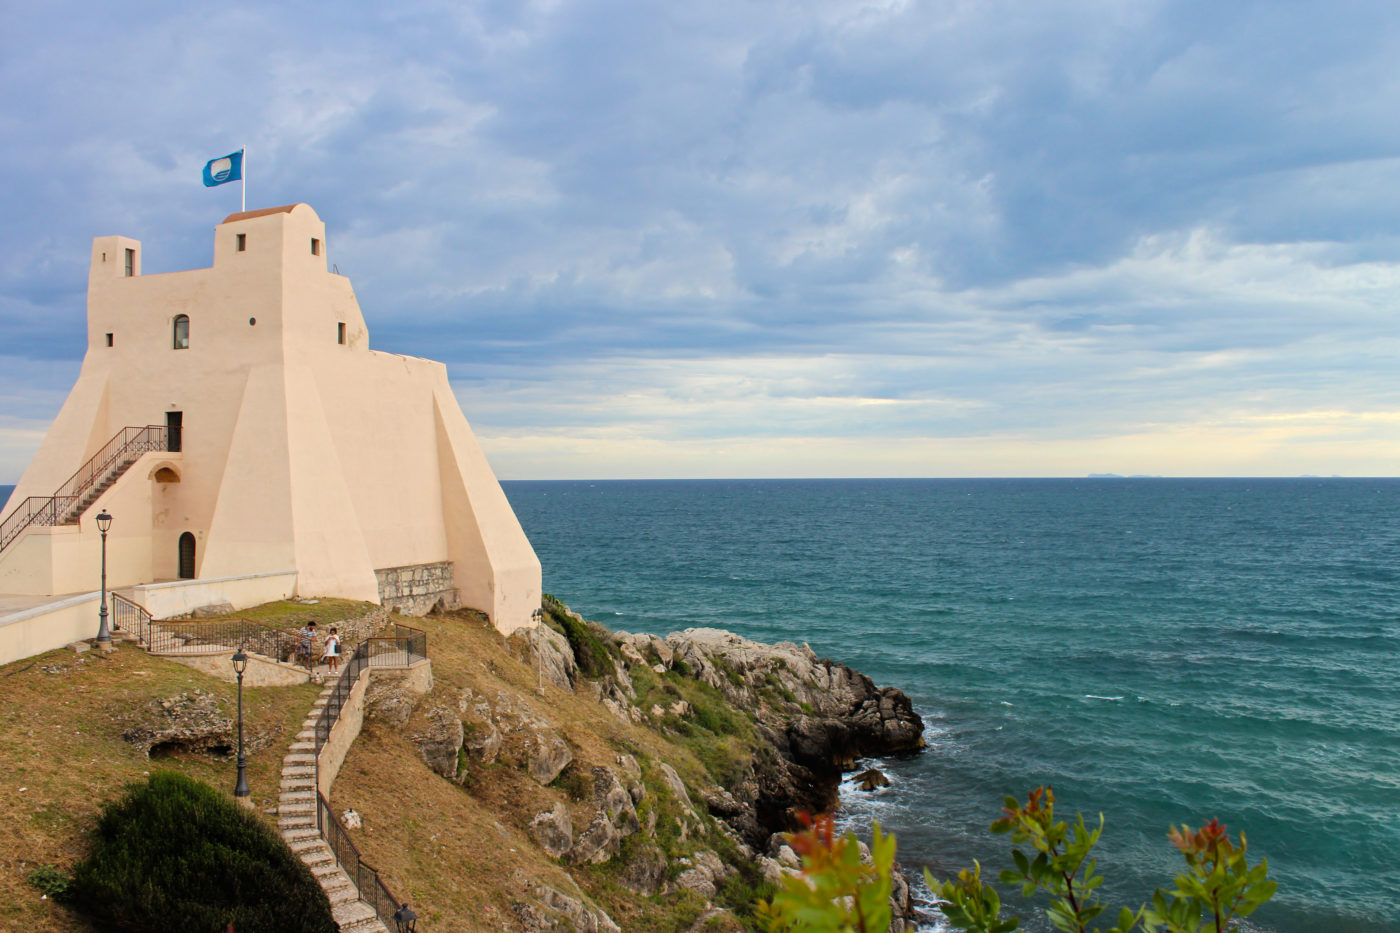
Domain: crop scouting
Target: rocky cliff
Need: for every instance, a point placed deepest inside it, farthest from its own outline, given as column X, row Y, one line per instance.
column 669, row 818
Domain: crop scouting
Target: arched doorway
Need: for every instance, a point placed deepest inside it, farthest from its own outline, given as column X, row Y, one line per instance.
column 187, row 556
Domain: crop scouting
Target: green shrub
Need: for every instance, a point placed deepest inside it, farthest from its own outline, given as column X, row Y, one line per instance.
column 592, row 655
column 50, row 881
column 176, row 855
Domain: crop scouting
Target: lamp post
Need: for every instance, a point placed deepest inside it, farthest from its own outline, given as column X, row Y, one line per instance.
column 104, row 635
column 240, row 790
column 405, row 920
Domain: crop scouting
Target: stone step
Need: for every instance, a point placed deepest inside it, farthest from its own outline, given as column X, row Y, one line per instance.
column 297, row 809
column 364, row 926
column 307, row 735
column 294, row 784
column 315, row 858
column 324, row 868
column 305, row 820
column 296, row 796
column 303, row 747
column 343, row 895
column 350, row 913
column 298, row 839
column 298, row 758
column 299, row 770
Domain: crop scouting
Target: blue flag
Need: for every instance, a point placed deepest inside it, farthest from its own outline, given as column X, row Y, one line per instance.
column 219, row 171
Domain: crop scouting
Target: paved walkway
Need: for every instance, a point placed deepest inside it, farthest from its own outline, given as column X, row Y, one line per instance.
column 296, row 820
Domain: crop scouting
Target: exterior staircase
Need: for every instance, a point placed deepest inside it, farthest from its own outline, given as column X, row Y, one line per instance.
column 297, row 821
column 83, row 488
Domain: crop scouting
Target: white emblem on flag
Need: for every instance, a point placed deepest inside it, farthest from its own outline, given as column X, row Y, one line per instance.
column 219, row 169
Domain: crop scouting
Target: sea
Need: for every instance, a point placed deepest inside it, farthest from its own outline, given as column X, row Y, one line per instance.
column 1158, row 651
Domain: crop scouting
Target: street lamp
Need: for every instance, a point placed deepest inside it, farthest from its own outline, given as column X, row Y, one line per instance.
column 240, row 790
column 405, row 919
column 104, row 636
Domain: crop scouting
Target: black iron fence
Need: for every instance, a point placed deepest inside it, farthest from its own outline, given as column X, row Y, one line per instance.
column 406, row 646
column 372, row 889
column 187, row 637
column 131, row 617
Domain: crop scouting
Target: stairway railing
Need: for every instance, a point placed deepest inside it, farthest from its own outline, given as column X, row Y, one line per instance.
column 66, row 505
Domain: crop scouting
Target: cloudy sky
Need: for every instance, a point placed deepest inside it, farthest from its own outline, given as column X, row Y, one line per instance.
column 810, row 238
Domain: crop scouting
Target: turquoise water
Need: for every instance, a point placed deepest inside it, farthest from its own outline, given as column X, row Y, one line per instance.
column 1163, row 651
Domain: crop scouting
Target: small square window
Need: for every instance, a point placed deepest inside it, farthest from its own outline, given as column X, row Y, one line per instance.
column 340, row 333
column 242, row 242
column 315, row 247
column 109, row 340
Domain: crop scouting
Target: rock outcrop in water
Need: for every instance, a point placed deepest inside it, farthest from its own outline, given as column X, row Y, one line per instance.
column 818, row 715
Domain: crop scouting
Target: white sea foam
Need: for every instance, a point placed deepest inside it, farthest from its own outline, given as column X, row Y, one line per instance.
column 1095, row 696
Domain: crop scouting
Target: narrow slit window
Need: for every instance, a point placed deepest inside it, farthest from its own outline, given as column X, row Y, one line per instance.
column 109, row 340
column 340, row 333
column 315, row 247
column 131, row 262
column 182, row 332
column 242, row 242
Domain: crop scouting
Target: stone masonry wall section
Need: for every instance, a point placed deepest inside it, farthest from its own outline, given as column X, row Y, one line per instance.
column 418, row 589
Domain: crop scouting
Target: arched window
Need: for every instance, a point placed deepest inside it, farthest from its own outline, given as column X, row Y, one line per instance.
column 187, row 556
column 182, row 332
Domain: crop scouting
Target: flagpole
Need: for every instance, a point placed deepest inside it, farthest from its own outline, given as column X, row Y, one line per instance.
column 244, row 179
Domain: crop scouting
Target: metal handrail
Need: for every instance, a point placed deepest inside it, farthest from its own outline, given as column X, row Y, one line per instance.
column 371, row 887
column 175, row 635
column 66, row 506
column 405, row 647
column 130, row 616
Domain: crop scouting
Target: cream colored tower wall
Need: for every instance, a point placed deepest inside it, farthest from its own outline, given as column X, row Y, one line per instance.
column 302, row 447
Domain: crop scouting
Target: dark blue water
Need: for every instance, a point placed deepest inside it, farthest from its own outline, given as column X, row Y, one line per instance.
column 1163, row 651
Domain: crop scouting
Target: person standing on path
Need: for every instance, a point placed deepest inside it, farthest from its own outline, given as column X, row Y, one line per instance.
column 307, row 638
column 332, row 651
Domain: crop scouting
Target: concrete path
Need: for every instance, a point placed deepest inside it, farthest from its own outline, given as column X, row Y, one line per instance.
column 296, row 820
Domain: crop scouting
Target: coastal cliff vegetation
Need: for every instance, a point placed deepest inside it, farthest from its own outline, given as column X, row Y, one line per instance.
column 567, row 778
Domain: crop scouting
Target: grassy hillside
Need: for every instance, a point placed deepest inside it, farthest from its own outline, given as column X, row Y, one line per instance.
column 62, row 756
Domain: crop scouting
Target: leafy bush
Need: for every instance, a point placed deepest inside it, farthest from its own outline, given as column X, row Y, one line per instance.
column 176, row 855
column 836, row 892
column 50, row 881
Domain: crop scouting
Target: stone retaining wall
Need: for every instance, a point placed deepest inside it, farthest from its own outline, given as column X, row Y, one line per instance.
column 418, row 589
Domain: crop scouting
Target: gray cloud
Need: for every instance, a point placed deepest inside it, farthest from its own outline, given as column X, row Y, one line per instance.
column 950, row 219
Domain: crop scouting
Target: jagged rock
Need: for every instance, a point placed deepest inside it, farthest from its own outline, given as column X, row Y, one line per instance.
column 773, row 871
column 352, row 820
column 663, row 651
column 680, row 708
column 675, row 785
column 192, row 721
column 659, row 668
column 646, row 872
column 548, row 754
column 870, row 779
column 614, row 800
column 221, row 608
column 482, row 740
column 554, row 831
column 704, row 872
column 550, row 654
column 631, row 655
column 556, row 912
column 632, row 777
column 389, row 701
column 698, row 880
column 440, row 741
column 597, row 843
